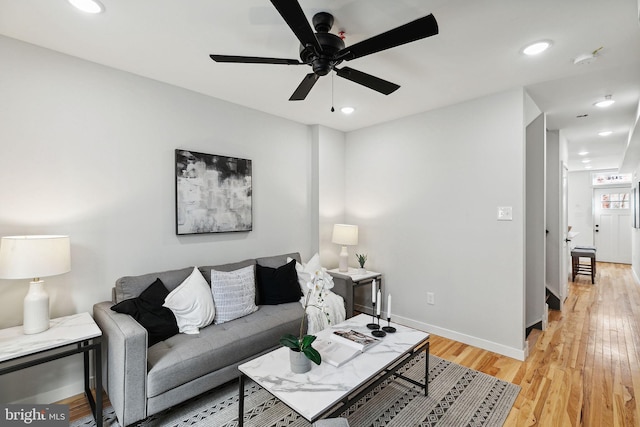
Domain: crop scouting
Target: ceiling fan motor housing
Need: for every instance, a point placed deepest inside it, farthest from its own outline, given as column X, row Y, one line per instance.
column 322, row 62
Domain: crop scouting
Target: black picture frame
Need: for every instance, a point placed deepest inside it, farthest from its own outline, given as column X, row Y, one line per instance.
column 213, row 193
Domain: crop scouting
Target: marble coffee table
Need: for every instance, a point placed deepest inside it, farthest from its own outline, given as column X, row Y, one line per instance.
column 327, row 390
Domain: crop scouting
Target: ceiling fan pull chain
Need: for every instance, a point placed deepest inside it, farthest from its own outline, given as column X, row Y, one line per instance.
column 332, row 109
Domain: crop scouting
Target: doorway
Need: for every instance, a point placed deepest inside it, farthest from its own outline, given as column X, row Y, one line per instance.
column 612, row 224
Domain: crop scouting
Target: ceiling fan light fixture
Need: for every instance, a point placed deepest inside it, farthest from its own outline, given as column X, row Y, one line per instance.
column 605, row 133
column 88, row 6
column 347, row 110
column 537, row 47
column 606, row 102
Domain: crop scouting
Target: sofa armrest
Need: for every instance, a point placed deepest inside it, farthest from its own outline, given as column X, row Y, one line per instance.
column 343, row 286
column 125, row 344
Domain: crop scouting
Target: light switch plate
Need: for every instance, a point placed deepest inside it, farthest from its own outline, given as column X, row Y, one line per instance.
column 505, row 213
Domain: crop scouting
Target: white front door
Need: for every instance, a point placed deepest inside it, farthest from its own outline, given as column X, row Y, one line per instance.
column 612, row 224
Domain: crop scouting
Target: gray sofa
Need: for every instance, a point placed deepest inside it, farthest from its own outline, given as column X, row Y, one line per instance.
column 142, row 381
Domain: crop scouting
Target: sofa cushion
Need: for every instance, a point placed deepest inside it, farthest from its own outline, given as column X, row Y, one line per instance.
column 191, row 303
column 278, row 285
column 183, row 358
column 147, row 310
column 132, row 286
column 234, row 293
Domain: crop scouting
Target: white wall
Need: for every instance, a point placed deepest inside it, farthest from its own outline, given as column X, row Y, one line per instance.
column 89, row 151
column 424, row 191
column 331, row 151
column 580, row 208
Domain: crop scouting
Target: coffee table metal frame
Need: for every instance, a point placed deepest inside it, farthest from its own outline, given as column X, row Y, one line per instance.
column 391, row 369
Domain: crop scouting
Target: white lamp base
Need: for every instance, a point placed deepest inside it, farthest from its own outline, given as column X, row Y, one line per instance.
column 36, row 309
column 343, row 263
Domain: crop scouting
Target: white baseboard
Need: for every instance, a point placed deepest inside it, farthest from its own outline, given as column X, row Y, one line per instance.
column 519, row 354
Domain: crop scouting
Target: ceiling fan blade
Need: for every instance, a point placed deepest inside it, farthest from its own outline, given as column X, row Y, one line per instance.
column 293, row 15
column 254, row 60
column 304, row 87
column 407, row 33
column 372, row 82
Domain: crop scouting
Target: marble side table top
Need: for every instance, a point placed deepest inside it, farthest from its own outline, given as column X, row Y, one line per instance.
column 313, row 393
column 62, row 331
column 356, row 275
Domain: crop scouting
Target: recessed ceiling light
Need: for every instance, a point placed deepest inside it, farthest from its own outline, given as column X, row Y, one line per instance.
column 583, row 153
column 605, row 103
column 347, row 110
column 586, row 161
column 88, row 6
column 587, row 166
column 537, row 47
column 605, row 133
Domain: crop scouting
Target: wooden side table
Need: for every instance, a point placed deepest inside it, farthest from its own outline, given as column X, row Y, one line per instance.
column 66, row 335
column 345, row 284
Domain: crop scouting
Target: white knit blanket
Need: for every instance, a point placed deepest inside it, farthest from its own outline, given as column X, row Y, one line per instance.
column 317, row 319
column 331, row 305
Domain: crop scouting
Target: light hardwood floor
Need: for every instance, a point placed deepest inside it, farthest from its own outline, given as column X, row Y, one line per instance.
column 583, row 370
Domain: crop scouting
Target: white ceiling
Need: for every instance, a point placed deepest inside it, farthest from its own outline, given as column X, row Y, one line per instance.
column 476, row 53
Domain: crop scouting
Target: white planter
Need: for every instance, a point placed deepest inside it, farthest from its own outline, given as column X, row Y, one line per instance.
column 299, row 362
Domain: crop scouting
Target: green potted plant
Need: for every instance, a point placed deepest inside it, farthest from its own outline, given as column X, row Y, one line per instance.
column 302, row 352
column 362, row 258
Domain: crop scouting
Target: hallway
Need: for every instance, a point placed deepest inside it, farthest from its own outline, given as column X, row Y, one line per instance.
column 584, row 370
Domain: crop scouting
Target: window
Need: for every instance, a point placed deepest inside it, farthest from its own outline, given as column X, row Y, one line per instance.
column 615, row 201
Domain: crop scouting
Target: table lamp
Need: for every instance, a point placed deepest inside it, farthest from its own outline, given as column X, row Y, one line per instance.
column 345, row 235
column 33, row 257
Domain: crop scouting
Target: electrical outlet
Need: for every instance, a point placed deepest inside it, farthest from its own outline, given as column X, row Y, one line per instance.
column 431, row 298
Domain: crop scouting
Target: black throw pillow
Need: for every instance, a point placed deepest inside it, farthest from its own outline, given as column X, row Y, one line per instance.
column 278, row 285
column 147, row 309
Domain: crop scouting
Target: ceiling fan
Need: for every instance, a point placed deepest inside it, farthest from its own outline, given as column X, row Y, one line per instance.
column 324, row 51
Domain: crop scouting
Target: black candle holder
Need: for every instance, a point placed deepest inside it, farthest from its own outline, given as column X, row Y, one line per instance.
column 378, row 333
column 373, row 325
column 390, row 329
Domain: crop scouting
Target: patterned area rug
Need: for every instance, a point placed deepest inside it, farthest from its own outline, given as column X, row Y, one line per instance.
column 457, row 397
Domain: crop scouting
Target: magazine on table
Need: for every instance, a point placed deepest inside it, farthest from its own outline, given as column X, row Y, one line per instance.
column 356, row 339
column 342, row 346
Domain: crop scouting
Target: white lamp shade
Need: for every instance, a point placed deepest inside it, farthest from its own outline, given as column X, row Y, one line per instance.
column 345, row 234
column 28, row 257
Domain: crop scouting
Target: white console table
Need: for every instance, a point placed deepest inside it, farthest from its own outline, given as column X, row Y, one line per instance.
column 66, row 336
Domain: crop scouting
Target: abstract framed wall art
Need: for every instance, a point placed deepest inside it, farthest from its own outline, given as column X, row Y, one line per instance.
column 213, row 193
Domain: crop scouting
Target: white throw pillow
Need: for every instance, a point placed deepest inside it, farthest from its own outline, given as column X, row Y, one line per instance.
column 308, row 270
column 191, row 303
column 234, row 293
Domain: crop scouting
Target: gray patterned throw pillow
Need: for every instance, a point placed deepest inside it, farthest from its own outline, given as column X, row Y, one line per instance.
column 234, row 293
